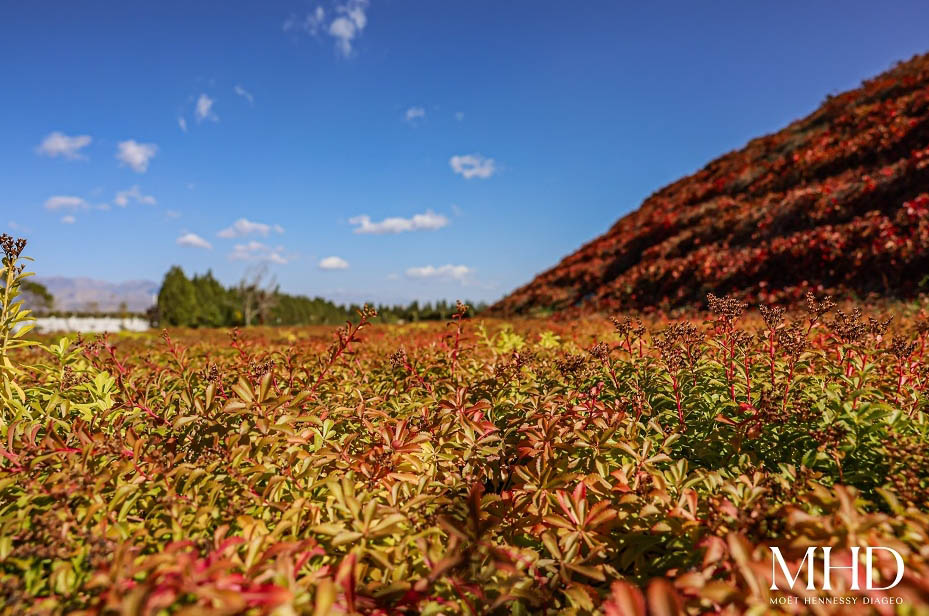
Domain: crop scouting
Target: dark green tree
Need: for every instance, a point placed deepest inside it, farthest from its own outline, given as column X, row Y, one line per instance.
column 214, row 306
column 177, row 299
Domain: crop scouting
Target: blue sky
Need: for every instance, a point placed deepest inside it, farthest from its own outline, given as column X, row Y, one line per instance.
column 390, row 150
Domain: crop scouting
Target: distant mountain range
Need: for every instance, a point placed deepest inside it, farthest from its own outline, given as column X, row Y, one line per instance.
column 837, row 202
column 88, row 295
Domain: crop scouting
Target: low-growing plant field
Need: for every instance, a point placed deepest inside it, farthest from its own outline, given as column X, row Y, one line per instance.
column 592, row 466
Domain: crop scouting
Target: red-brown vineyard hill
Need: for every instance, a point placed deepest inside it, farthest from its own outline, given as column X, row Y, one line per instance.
column 835, row 202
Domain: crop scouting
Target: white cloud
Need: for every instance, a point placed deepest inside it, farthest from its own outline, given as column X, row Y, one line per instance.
column 256, row 251
column 192, row 239
column 344, row 31
column 136, row 155
column 182, row 122
column 172, row 214
column 459, row 115
column 243, row 227
column 443, row 272
column 65, row 202
column 414, row 113
column 349, row 25
column 68, row 220
column 244, row 94
column 203, row 109
column 59, row 144
column 472, row 166
column 428, row 221
column 349, row 21
column 123, row 197
column 333, row 263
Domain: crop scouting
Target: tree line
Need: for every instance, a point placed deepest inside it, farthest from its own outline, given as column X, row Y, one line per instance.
column 202, row 301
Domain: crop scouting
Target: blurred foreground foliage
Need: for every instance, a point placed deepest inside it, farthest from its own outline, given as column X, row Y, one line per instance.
column 581, row 467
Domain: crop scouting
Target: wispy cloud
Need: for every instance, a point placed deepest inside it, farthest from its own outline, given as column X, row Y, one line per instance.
column 203, row 109
column 136, row 155
column 311, row 23
column 243, row 252
column 413, row 114
column 68, row 220
column 58, row 144
column 194, row 240
column 458, row 273
column 171, row 214
column 182, row 122
column 347, row 24
column 123, row 197
column 471, row 166
column 333, row 263
column 65, row 202
column 459, row 115
column 256, row 251
column 244, row 94
column 427, row 221
column 244, row 226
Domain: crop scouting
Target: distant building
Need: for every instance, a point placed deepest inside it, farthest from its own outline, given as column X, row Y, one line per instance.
column 91, row 324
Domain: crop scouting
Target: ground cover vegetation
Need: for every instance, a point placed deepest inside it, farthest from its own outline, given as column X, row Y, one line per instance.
column 809, row 208
column 617, row 466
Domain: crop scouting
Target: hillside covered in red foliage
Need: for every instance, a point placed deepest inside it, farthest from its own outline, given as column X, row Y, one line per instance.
column 836, row 202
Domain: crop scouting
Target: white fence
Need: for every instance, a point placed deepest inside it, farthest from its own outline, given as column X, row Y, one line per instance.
column 90, row 324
